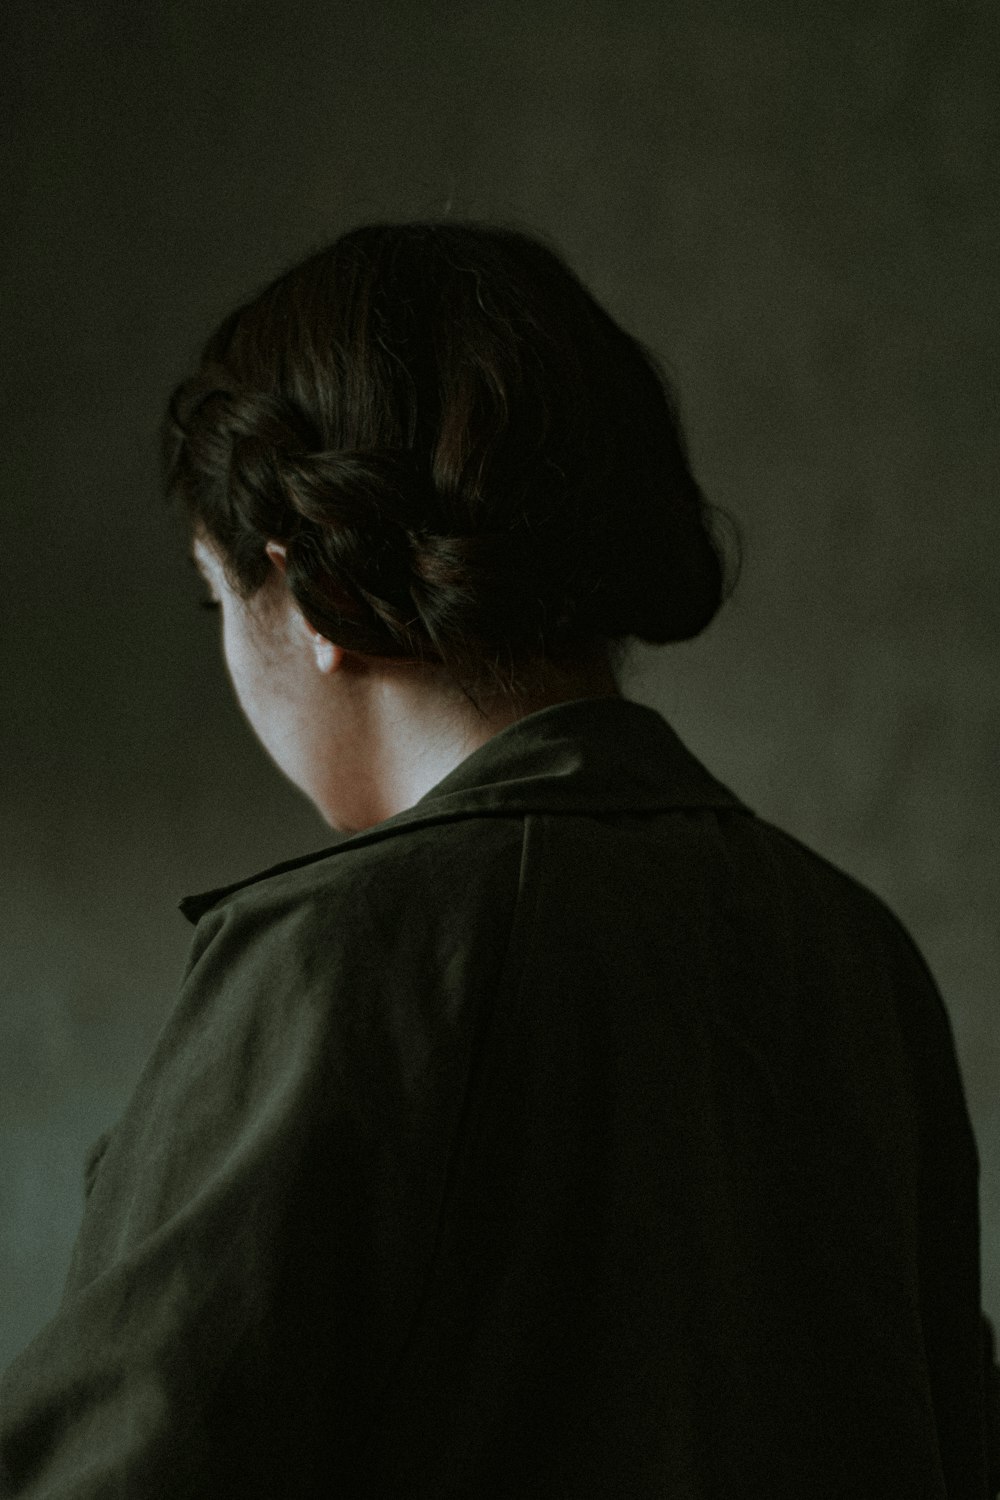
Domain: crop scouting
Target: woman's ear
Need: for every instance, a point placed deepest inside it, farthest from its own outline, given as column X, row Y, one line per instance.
column 326, row 654
column 277, row 552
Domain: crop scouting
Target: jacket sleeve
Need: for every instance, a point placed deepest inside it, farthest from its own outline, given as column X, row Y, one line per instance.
column 256, row 1230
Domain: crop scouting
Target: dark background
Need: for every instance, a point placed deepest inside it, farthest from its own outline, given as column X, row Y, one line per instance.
column 793, row 203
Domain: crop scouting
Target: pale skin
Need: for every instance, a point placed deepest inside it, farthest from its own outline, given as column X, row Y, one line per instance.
column 363, row 737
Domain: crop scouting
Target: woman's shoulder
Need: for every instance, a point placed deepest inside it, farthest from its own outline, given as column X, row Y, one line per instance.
column 369, row 918
column 404, row 868
column 810, row 879
column 305, row 979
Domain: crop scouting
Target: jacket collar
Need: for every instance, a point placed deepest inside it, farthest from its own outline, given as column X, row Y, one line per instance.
column 587, row 755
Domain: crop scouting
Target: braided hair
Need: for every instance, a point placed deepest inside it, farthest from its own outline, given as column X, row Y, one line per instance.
column 467, row 460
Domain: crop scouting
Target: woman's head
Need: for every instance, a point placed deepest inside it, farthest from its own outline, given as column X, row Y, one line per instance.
column 467, row 463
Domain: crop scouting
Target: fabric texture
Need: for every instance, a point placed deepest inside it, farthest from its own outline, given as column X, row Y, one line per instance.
column 574, row 1133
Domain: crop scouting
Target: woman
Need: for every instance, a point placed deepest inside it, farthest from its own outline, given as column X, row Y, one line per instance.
column 565, row 1130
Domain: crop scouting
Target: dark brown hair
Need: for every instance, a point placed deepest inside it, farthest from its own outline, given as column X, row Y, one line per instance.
column 468, row 460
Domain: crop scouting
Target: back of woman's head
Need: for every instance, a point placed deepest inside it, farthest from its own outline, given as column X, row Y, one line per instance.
column 468, row 461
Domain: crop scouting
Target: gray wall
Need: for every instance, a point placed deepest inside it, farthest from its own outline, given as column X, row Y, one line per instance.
column 790, row 201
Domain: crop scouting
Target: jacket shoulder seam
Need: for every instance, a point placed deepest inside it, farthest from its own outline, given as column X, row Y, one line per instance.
column 507, row 989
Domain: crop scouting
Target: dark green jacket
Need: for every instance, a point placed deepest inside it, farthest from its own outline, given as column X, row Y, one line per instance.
column 573, row 1133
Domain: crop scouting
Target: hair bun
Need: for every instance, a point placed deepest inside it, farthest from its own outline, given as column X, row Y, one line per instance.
column 466, row 457
column 666, row 582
